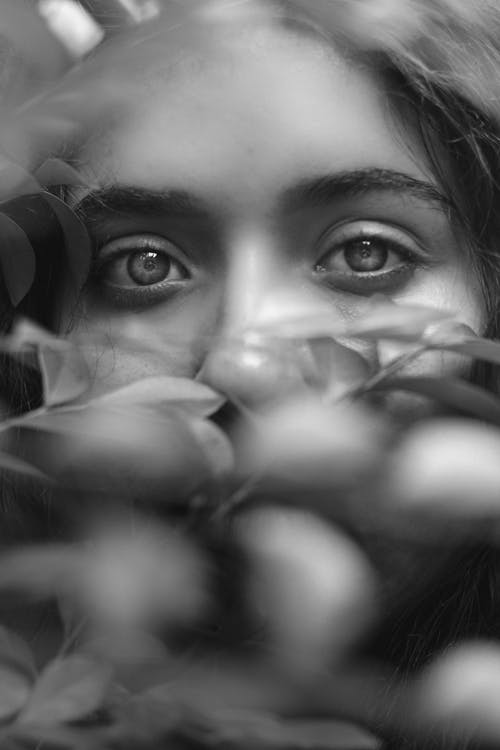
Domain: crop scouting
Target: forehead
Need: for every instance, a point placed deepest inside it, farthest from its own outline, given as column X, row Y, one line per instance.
column 261, row 111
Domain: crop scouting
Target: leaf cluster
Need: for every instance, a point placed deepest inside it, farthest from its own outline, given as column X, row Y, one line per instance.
column 278, row 494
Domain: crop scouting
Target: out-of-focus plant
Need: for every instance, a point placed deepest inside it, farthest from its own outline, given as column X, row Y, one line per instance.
column 208, row 580
column 174, row 514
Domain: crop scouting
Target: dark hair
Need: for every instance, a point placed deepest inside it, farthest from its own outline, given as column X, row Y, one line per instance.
column 462, row 146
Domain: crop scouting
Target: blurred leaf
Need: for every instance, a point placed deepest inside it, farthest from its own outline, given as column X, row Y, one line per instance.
column 17, row 465
column 67, row 690
column 64, row 370
column 459, row 693
column 17, row 259
column 16, row 181
column 111, row 14
column 15, row 653
column 338, row 369
column 76, row 238
column 447, row 333
column 65, row 373
column 21, row 24
column 126, row 453
column 383, row 318
column 457, row 394
column 23, row 343
column 54, row 172
column 139, row 660
column 215, row 445
column 313, row 444
column 26, row 335
column 39, row 571
column 35, row 132
column 189, row 395
column 75, row 28
column 57, row 737
column 298, row 326
column 132, row 580
column 72, row 421
column 218, row 686
column 11, row 743
column 313, row 585
column 212, row 685
column 15, row 689
column 478, row 348
column 393, row 355
column 449, row 469
column 125, row 647
column 81, row 98
column 295, row 314
column 235, row 728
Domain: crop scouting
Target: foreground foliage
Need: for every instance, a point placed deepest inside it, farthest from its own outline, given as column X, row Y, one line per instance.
column 209, row 585
column 180, row 527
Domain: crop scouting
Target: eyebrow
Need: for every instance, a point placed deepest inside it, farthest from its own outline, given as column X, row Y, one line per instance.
column 126, row 200
column 322, row 190
column 350, row 184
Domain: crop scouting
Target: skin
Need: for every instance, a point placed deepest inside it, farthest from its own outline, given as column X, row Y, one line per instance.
column 261, row 162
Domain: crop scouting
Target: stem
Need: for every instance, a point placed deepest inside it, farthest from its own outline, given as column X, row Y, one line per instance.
column 385, row 373
column 72, row 638
column 237, row 498
column 25, row 419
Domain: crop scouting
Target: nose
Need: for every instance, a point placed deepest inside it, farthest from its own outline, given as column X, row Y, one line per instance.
column 250, row 368
column 253, row 371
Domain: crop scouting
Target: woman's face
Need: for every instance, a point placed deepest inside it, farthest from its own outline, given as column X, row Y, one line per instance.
column 268, row 167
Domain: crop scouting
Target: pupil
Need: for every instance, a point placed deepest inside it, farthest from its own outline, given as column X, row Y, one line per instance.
column 366, row 255
column 148, row 267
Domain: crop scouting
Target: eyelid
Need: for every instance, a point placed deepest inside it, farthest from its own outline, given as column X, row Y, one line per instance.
column 131, row 243
column 121, row 295
column 407, row 250
column 350, row 229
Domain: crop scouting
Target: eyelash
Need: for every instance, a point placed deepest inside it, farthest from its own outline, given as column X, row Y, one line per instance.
column 124, row 249
column 393, row 241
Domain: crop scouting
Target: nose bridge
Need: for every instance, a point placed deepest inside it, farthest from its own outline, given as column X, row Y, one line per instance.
column 252, row 271
column 239, row 362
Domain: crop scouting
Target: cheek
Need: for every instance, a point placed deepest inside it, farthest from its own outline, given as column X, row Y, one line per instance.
column 454, row 287
column 124, row 346
column 450, row 288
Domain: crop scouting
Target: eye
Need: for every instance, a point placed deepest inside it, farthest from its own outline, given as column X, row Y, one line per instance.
column 364, row 257
column 140, row 261
column 144, row 268
column 140, row 268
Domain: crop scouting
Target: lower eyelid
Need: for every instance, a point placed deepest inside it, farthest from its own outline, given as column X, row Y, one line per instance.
column 138, row 298
column 367, row 284
column 404, row 266
column 128, row 296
